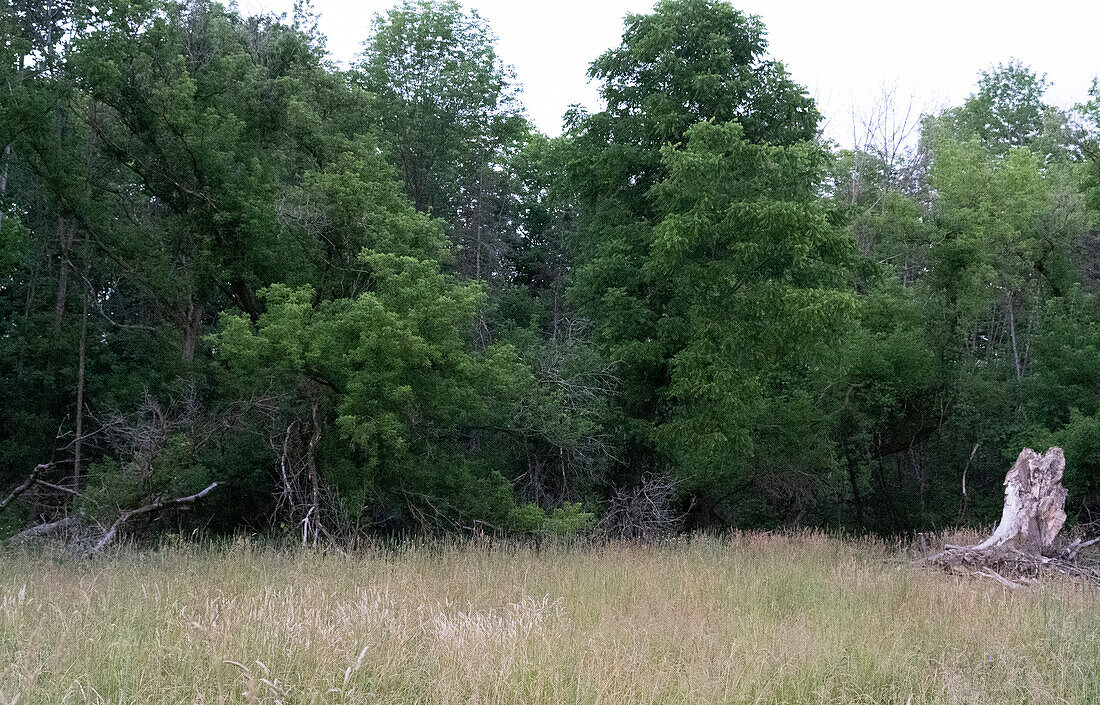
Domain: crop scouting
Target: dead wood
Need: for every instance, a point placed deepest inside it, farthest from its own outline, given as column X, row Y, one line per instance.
column 1026, row 542
column 26, row 485
column 82, row 533
column 129, row 514
column 644, row 510
column 35, row 479
column 43, row 530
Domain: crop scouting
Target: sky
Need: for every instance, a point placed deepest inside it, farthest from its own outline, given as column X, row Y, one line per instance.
column 846, row 52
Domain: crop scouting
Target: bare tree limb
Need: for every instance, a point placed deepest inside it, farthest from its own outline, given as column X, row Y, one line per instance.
column 56, row 488
column 990, row 573
column 27, row 484
column 36, row 532
column 154, row 506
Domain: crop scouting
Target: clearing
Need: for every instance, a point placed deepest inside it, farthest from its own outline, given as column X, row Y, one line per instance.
column 745, row 618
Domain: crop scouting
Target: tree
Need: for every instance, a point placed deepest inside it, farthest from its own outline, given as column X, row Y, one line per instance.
column 448, row 112
column 1009, row 110
column 377, row 390
column 751, row 275
column 689, row 62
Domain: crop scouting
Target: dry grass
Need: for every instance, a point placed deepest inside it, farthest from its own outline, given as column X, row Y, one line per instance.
column 742, row 619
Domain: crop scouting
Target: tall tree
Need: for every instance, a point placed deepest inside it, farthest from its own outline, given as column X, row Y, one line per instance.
column 751, row 275
column 689, row 62
column 449, row 116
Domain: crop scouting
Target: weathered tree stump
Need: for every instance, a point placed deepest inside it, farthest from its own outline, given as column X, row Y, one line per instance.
column 1025, row 540
column 1035, row 501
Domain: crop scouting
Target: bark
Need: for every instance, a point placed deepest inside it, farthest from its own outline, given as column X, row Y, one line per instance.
column 65, row 236
column 1025, row 540
column 34, row 479
column 857, row 496
column 126, row 516
column 314, row 480
column 1034, row 509
column 26, row 485
column 1012, row 329
column 4, row 171
column 4, row 180
column 78, row 441
column 244, row 296
column 190, row 327
column 42, row 530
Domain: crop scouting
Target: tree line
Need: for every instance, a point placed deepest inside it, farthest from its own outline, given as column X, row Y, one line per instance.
column 377, row 299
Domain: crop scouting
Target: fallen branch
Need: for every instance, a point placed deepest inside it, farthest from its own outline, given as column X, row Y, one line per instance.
column 153, row 507
column 1074, row 549
column 27, row 484
column 56, row 488
column 990, row 573
column 42, row 530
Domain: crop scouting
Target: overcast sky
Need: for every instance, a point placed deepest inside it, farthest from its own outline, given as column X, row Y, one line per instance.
column 844, row 51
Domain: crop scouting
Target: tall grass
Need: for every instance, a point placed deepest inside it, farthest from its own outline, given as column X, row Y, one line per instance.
column 740, row 619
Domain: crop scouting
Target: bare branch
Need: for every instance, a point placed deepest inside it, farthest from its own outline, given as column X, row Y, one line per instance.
column 153, row 507
column 56, row 488
column 26, row 485
column 41, row 530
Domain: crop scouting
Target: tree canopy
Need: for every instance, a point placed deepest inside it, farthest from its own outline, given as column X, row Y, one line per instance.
column 377, row 299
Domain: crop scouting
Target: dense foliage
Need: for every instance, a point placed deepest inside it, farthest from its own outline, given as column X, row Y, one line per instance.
column 377, row 299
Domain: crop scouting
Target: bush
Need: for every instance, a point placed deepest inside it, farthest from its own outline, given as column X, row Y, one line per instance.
column 566, row 521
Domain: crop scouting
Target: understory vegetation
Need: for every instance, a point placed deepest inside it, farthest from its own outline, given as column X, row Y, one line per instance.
column 743, row 618
column 326, row 302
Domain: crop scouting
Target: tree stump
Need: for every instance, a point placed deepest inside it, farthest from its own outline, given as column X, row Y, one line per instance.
column 1033, row 515
column 1035, row 502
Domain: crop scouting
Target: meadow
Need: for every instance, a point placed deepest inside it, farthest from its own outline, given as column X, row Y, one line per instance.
column 741, row 618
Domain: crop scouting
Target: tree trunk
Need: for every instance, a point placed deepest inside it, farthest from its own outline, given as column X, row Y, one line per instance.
column 191, row 326
column 4, row 170
column 314, row 479
column 1035, row 501
column 1033, row 515
column 79, row 440
column 857, row 497
column 1012, row 329
column 65, row 236
column 4, row 181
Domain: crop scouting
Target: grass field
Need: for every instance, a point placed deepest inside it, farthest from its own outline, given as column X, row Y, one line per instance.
column 741, row 619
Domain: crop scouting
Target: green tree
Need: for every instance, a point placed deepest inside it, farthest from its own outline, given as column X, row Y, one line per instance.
column 751, row 276
column 1009, row 110
column 448, row 112
column 689, row 62
column 379, row 390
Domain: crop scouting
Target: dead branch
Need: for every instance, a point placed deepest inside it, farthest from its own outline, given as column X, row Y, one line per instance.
column 56, row 488
column 1074, row 549
column 26, row 485
column 303, row 497
column 42, row 530
column 644, row 510
column 152, row 507
column 990, row 573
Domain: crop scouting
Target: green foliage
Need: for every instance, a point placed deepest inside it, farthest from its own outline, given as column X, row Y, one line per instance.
column 1008, row 110
column 566, row 521
column 392, row 366
column 1080, row 438
column 526, row 519
column 668, row 251
column 570, row 520
column 378, row 299
column 447, row 111
column 749, row 273
column 696, row 60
